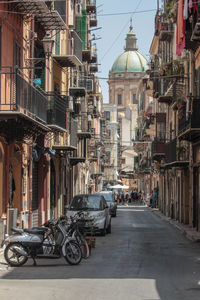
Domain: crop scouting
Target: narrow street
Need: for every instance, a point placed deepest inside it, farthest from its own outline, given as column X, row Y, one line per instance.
column 144, row 258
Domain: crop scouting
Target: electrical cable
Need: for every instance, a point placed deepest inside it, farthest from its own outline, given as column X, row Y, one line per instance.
column 140, row 1
column 127, row 13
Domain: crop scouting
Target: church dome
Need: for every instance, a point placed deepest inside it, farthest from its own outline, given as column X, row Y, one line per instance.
column 131, row 60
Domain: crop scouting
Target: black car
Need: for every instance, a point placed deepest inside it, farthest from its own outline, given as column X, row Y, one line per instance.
column 112, row 203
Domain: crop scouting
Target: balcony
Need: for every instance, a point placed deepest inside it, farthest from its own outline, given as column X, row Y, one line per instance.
column 83, row 130
column 158, row 150
column 86, row 55
column 91, row 6
column 189, row 124
column 93, row 68
column 93, row 20
column 171, row 82
column 48, row 19
column 166, row 31
column 23, row 108
column 70, row 52
column 93, row 57
column 196, row 25
column 56, row 113
column 77, row 90
column 163, row 28
column 176, row 156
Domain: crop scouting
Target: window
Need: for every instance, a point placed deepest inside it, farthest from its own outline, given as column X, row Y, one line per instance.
column 108, row 115
column 134, row 99
column 119, row 99
column 16, row 57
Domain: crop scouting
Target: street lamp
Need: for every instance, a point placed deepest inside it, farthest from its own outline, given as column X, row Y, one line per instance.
column 48, row 44
column 48, row 47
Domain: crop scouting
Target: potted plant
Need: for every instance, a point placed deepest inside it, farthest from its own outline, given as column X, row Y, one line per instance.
column 171, row 10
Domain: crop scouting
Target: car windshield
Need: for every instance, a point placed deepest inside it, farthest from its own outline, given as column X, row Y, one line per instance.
column 108, row 197
column 86, row 202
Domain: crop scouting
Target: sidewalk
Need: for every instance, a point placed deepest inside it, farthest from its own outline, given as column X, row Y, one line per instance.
column 3, row 264
column 189, row 232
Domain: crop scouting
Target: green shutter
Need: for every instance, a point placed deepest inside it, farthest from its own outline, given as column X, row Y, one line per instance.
column 78, row 25
column 57, row 43
column 81, row 26
column 83, row 29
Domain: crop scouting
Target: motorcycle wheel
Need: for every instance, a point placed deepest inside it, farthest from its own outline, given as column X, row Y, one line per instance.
column 73, row 253
column 13, row 258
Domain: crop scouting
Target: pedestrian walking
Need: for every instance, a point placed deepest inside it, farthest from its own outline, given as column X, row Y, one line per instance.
column 154, row 198
column 122, row 198
column 127, row 198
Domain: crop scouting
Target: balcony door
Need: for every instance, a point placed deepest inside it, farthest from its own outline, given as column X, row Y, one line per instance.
column 16, row 54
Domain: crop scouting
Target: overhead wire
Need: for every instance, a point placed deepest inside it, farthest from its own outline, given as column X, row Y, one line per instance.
column 140, row 1
column 127, row 13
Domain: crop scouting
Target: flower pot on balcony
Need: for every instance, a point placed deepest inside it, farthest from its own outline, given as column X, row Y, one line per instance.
column 180, row 116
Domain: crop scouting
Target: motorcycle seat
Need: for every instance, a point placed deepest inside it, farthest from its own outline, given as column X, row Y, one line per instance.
column 18, row 230
column 36, row 230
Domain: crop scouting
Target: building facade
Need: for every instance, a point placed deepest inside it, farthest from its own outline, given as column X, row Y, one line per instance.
column 124, row 76
column 50, row 109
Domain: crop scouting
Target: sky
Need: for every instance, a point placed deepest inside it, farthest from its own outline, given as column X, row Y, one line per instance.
column 110, row 39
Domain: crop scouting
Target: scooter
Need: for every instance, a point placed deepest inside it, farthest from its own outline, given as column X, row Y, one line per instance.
column 48, row 242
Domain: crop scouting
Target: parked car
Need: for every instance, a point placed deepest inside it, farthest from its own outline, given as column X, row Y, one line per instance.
column 112, row 203
column 96, row 212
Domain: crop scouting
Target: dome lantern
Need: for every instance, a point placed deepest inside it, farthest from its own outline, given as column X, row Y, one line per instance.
column 131, row 40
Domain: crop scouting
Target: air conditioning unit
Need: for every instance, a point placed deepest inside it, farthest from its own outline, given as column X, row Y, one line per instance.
column 82, row 83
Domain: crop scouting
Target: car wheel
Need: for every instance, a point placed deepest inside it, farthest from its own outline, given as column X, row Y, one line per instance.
column 108, row 230
column 103, row 231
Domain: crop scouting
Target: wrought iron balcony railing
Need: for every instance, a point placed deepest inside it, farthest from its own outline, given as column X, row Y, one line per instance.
column 91, row 6
column 56, row 113
column 174, row 154
column 158, row 149
column 196, row 25
column 93, row 20
column 70, row 51
column 189, row 122
column 18, row 95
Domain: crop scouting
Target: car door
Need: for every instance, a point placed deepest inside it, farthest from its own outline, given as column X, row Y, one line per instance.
column 106, row 211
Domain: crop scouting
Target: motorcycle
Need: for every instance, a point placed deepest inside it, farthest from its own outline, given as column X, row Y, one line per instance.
column 48, row 242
